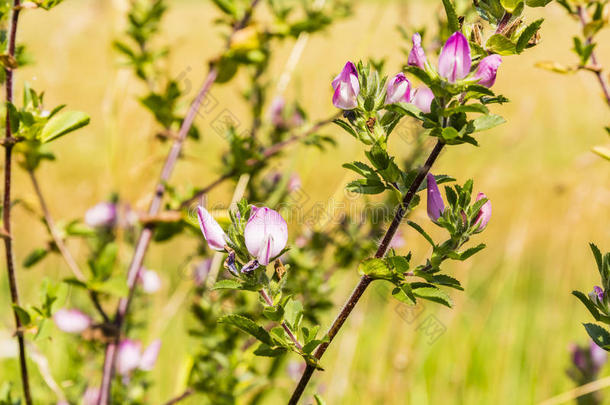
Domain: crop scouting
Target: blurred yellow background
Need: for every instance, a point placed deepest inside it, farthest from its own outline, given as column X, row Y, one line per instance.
column 506, row 341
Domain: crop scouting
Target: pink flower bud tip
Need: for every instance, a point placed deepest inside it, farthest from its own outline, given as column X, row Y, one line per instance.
column 417, row 56
column 346, row 88
column 101, row 215
column 212, row 232
column 71, row 320
column 484, row 214
column 436, row 206
column 399, row 90
column 266, row 234
column 487, row 69
column 454, row 61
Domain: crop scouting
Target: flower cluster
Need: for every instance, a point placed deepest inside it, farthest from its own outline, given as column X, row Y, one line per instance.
column 454, row 64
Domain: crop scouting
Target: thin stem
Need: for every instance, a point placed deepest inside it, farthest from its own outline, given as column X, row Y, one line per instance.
column 267, row 153
column 61, row 246
column 6, row 206
column 366, row 280
column 289, row 332
column 187, row 393
column 155, row 205
column 582, row 15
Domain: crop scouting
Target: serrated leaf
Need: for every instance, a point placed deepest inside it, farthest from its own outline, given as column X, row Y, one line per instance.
column 293, row 313
column 62, row 124
column 375, row 268
column 248, row 326
column 501, row 45
column 587, row 303
column 528, row 34
column 311, row 345
column 347, row 127
column 487, row 122
column 471, row 251
column 265, row 350
column 366, row 186
column 399, row 263
column 433, row 294
column 598, row 257
column 599, row 335
column 362, row 169
column 421, row 231
column 445, row 280
column 404, row 294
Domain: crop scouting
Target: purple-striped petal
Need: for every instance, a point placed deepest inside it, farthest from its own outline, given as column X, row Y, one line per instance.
column 455, row 61
column 212, row 232
column 417, row 56
column 346, row 88
column 266, row 234
column 436, row 206
column 399, row 90
column 487, row 69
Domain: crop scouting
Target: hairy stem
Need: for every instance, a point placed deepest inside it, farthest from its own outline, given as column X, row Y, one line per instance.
column 6, row 205
column 603, row 82
column 366, row 280
column 287, row 329
column 154, row 208
column 61, row 246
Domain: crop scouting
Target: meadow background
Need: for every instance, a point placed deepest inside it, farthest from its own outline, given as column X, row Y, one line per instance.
column 506, row 340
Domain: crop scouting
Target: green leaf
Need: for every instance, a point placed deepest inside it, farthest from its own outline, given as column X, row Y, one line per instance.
column 23, row 315
column 404, row 294
column 34, row 257
column 421, row 232
column 432, row 294
column 510, row 5
column 366, row 186
column 376, row 268
column 487, row 122
column 501, row 45
column 449, row 133
column 587, row 303
column 226, row 6
column 598, row 257
column 347, row 127
column 480, row 108
column 319, row 400
column 469, row 252
column 265, row 350
column 537, row 3
column 448, row 281
column 311, row 345
column 452, row 19
column 293, row 313
column 248, row 326
column 227, row 285
column 362, row 169
column 602, row 151
column 62, row 124
column 599, row 335
column 399, row 263
column 528, row 34
column 406, row 109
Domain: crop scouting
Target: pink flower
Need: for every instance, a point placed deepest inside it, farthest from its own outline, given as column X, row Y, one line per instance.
column 422, row 98
column 149, row 357
column 399, row 90
column 212, row 232
column 436, row 206
column 101, row 215
column 266, row 234
column 91, row 396
column 276, row 111
column 417, row 56
column 71, row 320
column 455, row 61
column 128, row 356
column 487, row 69
column 484, row 214
column 150, row 281
column 346, row 87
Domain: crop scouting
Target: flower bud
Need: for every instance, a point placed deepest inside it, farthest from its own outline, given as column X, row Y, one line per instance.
column 149, row 357
column 150, row 281
column 597, row 295
column 399, row 89
column 276, row 111
column 417, row 56
column 71, row 320
column 598, row 356
column 346, row 87
column 266, row 234
column 436, row 206
column 422, row 98
column 484, row 214
column 454, row 61
column 487, row 69
column 212, row 232
column 128, row 356
column 102, row 215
